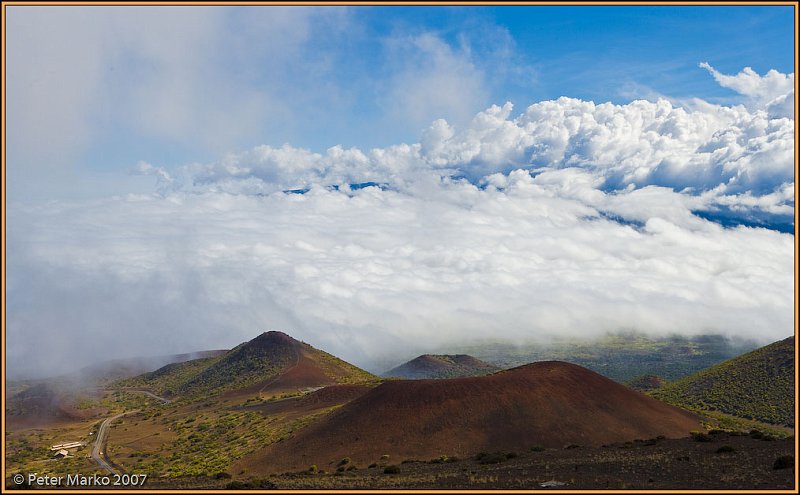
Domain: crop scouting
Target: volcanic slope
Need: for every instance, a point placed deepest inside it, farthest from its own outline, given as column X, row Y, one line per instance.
column 757, row 385
column 272, row 361
column 646, row 383
column 441, row 366
column 48, row 403
column 550, row 403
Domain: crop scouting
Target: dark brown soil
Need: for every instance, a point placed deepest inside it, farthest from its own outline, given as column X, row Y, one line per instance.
column 669, row 464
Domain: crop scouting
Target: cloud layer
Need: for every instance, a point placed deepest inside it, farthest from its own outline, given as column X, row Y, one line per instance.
column 569, row 218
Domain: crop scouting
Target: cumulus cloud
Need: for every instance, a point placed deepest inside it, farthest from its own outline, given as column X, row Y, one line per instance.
column 640, row 143
column 749, row 83
column 773, row 91
column 570, row 218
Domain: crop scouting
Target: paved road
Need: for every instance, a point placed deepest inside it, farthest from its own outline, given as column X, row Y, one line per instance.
column 97, row 449
column 151, row 394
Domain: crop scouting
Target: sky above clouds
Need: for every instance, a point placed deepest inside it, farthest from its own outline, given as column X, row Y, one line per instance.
column 382, row 182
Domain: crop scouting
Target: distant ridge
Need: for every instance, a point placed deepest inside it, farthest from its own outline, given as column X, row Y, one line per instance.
column 116, row 369
column 441, row 366
column 552, row 404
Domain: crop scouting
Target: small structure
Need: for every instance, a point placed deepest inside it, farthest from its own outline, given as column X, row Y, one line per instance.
column 68, row 445
column 61, row 453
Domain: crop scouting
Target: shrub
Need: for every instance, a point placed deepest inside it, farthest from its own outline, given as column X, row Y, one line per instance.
column 344, row 461
column 699, row 436
column 222, row 475
column 241, row 485
column 537, row 448
column 391, row 469
column 374, row 464
column 784, row 462
column 725, row 448
column 511, row 455
column 384, row 457
column 572, row 446
column 313, row 468
column 493, row 458
column 756, row 434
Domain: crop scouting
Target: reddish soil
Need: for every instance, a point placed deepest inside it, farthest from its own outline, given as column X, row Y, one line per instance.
column 302, row 372
column 441, row 366
column 44, row 405
column 319, row 399
column 552, row 404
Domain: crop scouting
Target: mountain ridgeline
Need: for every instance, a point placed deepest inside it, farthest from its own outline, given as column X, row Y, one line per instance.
column 758, row 385
column 441, row 366
column 271, row 361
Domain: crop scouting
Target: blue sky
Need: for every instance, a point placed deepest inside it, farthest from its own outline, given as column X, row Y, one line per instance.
column 317, row 77
column 640, row 177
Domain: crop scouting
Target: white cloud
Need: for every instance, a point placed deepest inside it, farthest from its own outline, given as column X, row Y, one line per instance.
column 773, row 90
column 187, row 77
column 431, row 78
column 351, row 271
column 640, row 143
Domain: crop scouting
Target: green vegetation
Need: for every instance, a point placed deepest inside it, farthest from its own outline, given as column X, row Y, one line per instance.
column 341, row 371
column 208, row 444
column 701, row 436
column 253, row 484
column 258, row 360
column 247, row 363
column 732, row 424
column 167, row 380
column 757, row 386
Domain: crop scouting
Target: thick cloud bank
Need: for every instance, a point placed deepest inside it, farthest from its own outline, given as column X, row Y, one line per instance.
column 570, row 218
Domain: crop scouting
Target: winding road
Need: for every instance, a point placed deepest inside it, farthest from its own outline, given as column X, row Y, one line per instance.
column 102, row 432
column 97, row 448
